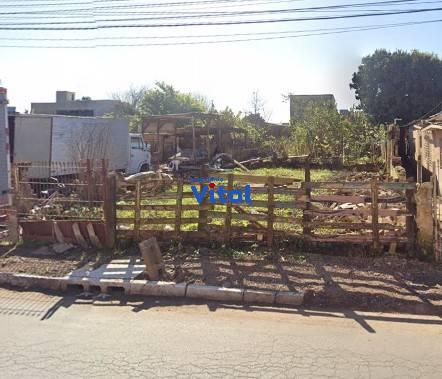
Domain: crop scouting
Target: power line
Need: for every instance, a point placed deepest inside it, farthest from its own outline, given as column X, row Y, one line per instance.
column 224, row 41
column 191, row 36
column 229, row 22
column 212, row 14
column 170, row 4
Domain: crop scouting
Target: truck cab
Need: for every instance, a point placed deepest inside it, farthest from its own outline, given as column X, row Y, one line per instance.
column 139, row 154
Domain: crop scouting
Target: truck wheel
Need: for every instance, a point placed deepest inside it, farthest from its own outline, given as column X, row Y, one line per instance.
column 145, row 167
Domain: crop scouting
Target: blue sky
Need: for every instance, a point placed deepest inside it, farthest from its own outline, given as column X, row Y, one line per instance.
column 226, row 73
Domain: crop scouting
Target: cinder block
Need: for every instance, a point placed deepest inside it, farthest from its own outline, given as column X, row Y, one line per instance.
column 289, row 298
column 107, row 284
column 214, row 293
column 150, row 288
column 259, row 297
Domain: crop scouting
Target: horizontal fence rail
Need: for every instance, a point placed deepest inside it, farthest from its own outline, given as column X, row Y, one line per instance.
column 371, row 212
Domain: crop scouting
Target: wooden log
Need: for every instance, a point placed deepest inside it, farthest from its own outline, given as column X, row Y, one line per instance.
column 151, row 253
column 242, row 167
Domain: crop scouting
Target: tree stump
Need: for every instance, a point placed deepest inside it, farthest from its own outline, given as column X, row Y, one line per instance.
column 151, row 253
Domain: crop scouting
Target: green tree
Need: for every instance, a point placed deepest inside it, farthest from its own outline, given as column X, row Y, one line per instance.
column 138, row 102
column 401, row 84
column 165, row 99
column 324, row 133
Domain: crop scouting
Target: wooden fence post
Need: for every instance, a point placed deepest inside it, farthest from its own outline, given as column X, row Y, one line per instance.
column 104, row 169
column 202, row 213
column 179, row 207
column 137, row 215
column 410, row 223
column 228, row 217
column 271, row 209
column 89, row 179
column 306, row 230
column 110, row 211
column 375, row 214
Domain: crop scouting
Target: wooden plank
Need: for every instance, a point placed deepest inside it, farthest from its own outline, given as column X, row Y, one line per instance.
column 278, row 191
column 257, row 179
column 352, row 226
column 354, row 239
column 179, row 207
column 356, row 212
column 337, row 185
column 355, row 199
column 256, row 224
column 162, row 207
column 238, row 216
column 228, row 215
column 93, row 237
column 154, row 221
column 375, row 214
column 397, row 185
column 270, row 214
column 78, row 236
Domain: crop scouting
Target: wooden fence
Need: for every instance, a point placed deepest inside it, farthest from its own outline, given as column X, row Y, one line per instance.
column 373, row 212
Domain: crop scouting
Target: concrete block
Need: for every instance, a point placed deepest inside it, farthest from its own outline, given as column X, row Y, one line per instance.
column 46, row 283
column 214, row 293
column 5, row 277
column 150, row 288
column 289, row 298
column 259, row 297
column 66, row 281
column 107, row 285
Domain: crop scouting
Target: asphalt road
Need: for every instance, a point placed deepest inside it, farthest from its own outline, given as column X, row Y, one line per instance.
column 46, row 336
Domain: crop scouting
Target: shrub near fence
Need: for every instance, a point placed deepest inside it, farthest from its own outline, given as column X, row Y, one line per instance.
column 282, row 208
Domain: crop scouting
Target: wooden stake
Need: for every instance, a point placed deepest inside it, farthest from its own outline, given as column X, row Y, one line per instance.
column 375, row 214
column 271, row 208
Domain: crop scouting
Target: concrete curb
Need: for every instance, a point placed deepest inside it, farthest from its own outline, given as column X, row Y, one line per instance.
column 154, row 288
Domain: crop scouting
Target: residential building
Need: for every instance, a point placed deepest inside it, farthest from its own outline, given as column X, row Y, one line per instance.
column 67, row 105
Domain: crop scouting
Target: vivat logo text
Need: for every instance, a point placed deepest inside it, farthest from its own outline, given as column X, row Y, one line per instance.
column 219, row 194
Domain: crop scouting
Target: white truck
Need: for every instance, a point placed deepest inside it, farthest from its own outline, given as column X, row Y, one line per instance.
column 53, row 138
column 5, row 172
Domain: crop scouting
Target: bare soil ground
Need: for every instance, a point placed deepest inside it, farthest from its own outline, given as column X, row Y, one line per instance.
column 375, row 284
column 29, row 260
column 390, row 283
